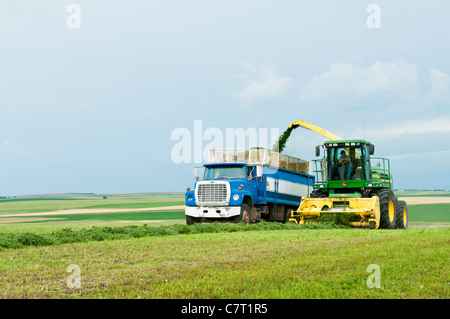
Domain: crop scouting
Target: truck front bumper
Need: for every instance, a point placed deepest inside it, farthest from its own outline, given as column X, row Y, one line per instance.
column 213, row 212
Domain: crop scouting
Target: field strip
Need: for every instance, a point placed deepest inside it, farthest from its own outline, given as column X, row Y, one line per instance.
column 95, row 211
column 425, row 200
column 408, row 200
column 21, row 220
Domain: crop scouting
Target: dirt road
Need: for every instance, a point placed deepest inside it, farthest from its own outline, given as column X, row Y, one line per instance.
column 425, row 200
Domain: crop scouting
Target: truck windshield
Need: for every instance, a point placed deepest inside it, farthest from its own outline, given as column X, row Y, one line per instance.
column 224, row 171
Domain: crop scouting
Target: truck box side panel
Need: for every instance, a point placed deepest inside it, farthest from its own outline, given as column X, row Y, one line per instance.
column 286, row 187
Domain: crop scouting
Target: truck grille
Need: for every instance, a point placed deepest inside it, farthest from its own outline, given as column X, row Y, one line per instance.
column 212, row 193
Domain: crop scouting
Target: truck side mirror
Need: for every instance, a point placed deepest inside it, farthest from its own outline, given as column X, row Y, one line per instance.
column 259, row 171
column 196, row 174
column 318, row 150
column 371, row 149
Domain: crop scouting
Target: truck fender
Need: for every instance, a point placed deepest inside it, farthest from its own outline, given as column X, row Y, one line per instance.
column 247, row 199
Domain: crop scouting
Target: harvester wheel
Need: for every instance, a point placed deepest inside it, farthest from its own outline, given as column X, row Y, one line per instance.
column 402, row 215
column 318, row 194
column 387, row 209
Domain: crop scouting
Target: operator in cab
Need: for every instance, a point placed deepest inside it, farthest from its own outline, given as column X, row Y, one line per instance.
column 345, row 166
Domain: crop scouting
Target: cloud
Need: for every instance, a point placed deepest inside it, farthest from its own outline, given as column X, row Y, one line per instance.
column 8, row 145
column 267, row 85
column 150, row 115
column 349, row 81
column 440, row 83
column 439, row 125
column 435, row 154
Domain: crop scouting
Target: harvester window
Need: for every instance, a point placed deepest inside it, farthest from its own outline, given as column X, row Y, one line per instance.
column 345, row 163
column 359, row 171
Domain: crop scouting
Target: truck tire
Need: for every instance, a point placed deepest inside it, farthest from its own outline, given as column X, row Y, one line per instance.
column 245, row 214
column 387, row 208
column 401, row 219
column 190, row 220
column 287, row 214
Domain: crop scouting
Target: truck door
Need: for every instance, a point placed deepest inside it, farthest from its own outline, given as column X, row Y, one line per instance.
column 252, row 181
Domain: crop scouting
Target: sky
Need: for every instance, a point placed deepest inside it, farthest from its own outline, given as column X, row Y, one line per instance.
column 95, row 96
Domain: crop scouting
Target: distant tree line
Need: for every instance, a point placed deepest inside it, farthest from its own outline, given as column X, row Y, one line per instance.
column 423, row 190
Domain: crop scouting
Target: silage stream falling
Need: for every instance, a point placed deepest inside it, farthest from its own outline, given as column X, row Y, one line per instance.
column 280, row 144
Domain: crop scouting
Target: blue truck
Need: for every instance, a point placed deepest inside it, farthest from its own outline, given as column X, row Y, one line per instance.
column 259, row 185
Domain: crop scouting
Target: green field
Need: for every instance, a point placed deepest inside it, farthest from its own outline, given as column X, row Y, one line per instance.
column 422, row 193
column 429, row 213
column 127, row 256
column 126, row 216
column 76, row 201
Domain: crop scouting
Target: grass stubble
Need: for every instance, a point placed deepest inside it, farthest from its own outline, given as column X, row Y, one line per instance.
column 266, row 260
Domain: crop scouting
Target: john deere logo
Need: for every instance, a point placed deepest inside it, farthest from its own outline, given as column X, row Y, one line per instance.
column 344, row 184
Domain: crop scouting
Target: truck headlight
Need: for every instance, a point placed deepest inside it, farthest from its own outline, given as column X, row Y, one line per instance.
column 189, row 197
column 235, row 197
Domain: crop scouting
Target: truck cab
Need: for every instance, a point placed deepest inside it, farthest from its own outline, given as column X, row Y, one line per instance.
column 224, row 188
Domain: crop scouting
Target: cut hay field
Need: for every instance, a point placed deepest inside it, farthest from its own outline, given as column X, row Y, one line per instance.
column 284, row 263
column 151, row 253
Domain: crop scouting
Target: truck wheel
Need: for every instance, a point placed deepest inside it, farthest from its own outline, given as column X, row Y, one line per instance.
column 190, row 220
column 245, row 214
column 401, row 219
column 287, row 214
column 387, row 209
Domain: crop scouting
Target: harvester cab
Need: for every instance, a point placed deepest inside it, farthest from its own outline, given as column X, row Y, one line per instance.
column 350, row 181
column 346, row 168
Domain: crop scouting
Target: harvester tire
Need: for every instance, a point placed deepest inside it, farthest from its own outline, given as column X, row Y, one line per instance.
column 387, row 209
column 401, row 220
column 318, row 194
